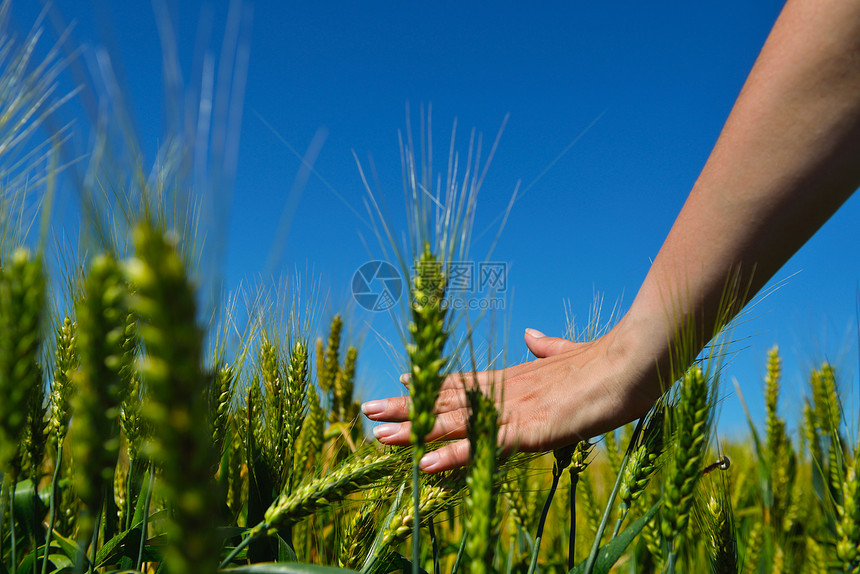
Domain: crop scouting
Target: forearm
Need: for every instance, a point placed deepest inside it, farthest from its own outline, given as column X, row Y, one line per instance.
column 787, row 158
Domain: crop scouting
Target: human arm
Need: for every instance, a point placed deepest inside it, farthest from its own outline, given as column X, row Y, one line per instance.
column 787, row 158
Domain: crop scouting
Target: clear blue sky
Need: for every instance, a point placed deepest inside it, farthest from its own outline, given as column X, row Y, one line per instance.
column 661, row 78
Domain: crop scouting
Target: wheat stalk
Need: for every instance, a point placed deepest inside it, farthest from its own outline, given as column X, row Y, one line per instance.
column 295, row 405
column 691, row 431
column 101, row 323
column 177, row 410
column 324, row 491
column 848, row 526
column 22, row 292
column 481, row 519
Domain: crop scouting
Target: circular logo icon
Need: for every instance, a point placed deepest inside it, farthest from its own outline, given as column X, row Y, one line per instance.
column 377, row 285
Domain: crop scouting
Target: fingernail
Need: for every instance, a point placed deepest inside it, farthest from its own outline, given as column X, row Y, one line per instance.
column 373, row 407
column 386, row 430
column 428, row 461
column 405, row 378
column 535, row 333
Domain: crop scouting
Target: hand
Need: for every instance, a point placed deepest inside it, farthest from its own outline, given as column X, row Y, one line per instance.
column 571, row 391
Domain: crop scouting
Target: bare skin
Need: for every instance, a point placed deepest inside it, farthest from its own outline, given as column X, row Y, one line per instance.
column 788, row 157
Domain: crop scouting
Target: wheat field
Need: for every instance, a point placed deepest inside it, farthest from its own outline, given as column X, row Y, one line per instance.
column 143, row 431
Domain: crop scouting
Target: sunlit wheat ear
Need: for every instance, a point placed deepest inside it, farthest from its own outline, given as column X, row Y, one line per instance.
column 310, row 440
column 66, row 363
column 521, row 491
column 344, row 386
column 775, row 427
column 651, row 533
column 816, row 560
column 69, row 504
column 436, row 495
column 811, row 432
column 120, row 492
column 269, row 367
column 101, row 323
column 163, row 299
column 691, row 432
column 22, row 293
column 128, row 368
column 755, row 539
column 481, row 514
column 36, row 434
column 777, row 565
column 324, row 491
column 255, row 424
column 848, row 526
column 295, row 405
column 361, row 528
column 222, row 391
column 426, row 348
column 643, row 462
column 236, row 481
column 826, row 399
column 780, row 456
column 796, row 513
column 719, row 527
column 828, row 415
column 328, row 359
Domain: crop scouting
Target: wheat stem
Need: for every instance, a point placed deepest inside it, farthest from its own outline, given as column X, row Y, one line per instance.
column 592, row 557
column 52, row 513
column 145, row 524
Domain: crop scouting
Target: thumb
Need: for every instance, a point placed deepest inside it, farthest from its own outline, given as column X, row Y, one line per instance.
column 542, row 346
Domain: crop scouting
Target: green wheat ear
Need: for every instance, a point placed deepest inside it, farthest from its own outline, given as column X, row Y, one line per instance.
column 426, row 349
column 643, row 462
column 22, row 293
column 221, row 397
column 691, row 432
column 296, row 406
column 101, row 324
column 719, row 526
column 328, row 362
column 481, row 518
column 848, row 527
column 177, row 410
column 62, row 388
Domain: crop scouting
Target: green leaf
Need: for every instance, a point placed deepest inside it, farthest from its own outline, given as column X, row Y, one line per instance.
column 291, row 568
column 69, row 547
column 125, row 545
column 29, row 509
column 261, row 488
column 612, row 550
column 140, row 507
column 59, row 561
column 286, row 552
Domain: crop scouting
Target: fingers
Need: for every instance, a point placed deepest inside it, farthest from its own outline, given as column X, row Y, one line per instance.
column 396, row 409
column 542, row 346
column 448, row 426
column 448, row 457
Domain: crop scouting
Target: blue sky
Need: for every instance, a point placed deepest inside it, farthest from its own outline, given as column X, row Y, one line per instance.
column 642, row 88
